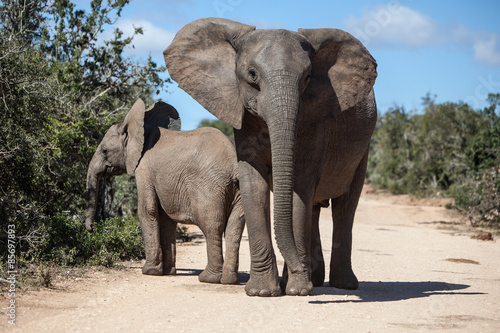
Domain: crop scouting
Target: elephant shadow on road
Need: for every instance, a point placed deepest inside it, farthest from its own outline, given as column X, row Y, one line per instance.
column 243, row 276
column 393, row 291
column 188, row 272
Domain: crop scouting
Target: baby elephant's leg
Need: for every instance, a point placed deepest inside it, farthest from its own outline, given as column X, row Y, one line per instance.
column 148, row 215
column 234, row 230
column 213, row 233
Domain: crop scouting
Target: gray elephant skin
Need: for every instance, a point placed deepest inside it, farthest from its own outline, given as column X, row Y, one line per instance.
column 181, row 176
column 303, row 109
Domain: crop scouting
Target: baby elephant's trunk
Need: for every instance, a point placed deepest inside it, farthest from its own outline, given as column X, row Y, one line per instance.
column 94, row 174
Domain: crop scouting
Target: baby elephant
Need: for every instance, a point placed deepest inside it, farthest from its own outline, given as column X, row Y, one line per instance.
column 188, row 177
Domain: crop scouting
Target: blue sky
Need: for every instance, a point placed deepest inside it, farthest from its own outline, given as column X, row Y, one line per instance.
column 450, row 49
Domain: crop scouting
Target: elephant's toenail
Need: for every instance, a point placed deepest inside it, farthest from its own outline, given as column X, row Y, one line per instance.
column 304, row 292
column 252, row 292
column 265, row 293
column 276, row 293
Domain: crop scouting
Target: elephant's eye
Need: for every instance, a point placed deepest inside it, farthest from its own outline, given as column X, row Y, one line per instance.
column 253, row 74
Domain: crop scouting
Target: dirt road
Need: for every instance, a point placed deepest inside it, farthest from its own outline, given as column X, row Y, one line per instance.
column 418, row 271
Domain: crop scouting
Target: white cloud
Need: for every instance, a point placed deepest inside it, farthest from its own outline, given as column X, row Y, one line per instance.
column 487, row 51
column 485, row 46
column 394, row 25
column 461, row 35
column 154, row 40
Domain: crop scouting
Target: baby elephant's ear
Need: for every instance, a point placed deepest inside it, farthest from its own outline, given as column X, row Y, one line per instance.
column 133, row 128
column 163, row 115
column 342, row 60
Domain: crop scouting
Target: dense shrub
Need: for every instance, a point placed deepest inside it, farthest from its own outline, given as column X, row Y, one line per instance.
column 448, row 150
column 115, row 238
column 478, row 194
column 59, row 92
column 390, row 162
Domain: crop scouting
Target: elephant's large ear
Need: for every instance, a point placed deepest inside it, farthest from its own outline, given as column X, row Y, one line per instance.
column 134, row 135
column 202, row 60
column 163, row 115
column 343, row 60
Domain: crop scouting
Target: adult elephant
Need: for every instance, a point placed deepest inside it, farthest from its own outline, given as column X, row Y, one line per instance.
column 188, row 177
column 303, row 109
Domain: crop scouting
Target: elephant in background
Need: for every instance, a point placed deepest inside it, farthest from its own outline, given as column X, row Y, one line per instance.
column 303, row 109
column 188, row 177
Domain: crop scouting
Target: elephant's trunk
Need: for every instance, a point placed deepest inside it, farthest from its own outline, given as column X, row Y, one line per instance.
column 94, row 173
column 282, row 121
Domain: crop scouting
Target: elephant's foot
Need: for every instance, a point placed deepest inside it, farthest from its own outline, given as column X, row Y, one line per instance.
column 209, row 277
column 318, row 276
column 229, row 278
column 299, row 285
column 169, row 270
column 344, row 279
column 149, row 269
column 263, row 285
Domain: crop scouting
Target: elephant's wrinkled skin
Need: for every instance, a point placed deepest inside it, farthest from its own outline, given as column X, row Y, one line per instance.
column 188, row 177
column 303, row 109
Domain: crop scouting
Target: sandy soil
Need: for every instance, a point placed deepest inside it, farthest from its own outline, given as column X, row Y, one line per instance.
column 419, row 270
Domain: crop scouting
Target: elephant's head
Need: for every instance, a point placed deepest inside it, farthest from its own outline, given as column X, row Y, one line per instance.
column 231, row 68
column 123, row 146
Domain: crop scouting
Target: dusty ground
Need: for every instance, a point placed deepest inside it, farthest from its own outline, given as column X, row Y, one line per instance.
column 419, row 270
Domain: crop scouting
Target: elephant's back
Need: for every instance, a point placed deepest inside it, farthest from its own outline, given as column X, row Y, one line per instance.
column 202, row 150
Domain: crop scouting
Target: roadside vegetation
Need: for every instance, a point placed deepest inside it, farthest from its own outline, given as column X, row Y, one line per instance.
column 62, row 86
column 448, row 150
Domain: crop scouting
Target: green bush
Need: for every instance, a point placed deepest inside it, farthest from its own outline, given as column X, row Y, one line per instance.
column 390, row 163
column 479, row 198
column 422, row 154
column 448, row 150
column 61, row 92
column 478, row 194
column 65, row 241
column 121, row 238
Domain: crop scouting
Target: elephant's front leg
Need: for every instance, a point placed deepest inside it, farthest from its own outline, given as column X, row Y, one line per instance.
column 343, row 210
column 341, row 273
column 255, row 198
column 300, row 283
column 317, row 260
column 148, row 215
column 305, row 216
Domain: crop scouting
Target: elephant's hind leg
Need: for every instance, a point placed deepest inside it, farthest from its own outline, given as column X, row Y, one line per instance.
column 168, row 237
column 213, row 229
